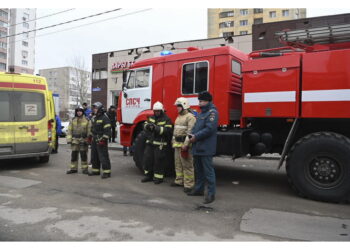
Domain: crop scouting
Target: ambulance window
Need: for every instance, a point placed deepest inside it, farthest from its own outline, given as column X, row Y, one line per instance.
column 29, row 106
column 194, row 77
column 142, row 78
column 236, row 67
column 5, row 113
column 131, row 81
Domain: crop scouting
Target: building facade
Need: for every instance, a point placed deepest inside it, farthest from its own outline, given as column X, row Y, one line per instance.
column 4, row 20
column 107, row 68
column 17, row 52
column 21, row 49
column 233, row 22
column 264, row 34
column 71, row 85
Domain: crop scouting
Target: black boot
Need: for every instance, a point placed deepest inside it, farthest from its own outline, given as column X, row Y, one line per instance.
column 187, row 190
column 157, row 181
column 209, row 199
column 85, row 171
column 93, row 173
column 174, row 184
column 147, row 179
column 125, row 153
column 72, row 171
column 195, row 193
column 105, row 175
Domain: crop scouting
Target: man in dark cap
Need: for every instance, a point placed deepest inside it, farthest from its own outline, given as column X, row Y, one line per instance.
column 204, row 140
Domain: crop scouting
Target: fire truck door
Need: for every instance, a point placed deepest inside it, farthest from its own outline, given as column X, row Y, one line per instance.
column 137, row 94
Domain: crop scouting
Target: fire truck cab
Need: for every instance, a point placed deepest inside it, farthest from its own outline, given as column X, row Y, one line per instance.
column 293, row 100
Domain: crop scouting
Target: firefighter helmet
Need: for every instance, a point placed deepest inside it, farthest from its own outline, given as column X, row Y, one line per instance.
column 183, row 102
column 158, row 106
column 99, row 107
column 79, row 108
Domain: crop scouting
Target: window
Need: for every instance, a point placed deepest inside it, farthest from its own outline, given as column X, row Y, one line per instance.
column 3, row 45
column 96, row 75
column 272, row 14
column 31, row 106
column 25, row 16
column 3, row 66
column 226, row 24
column 258, row 20
column 5, row 111
column 24, row 54
column 3, row 14
column 3, row 24
column 3, row 55
column 226, row 14
column 3, row 33
column 142, row 78
column 24, row 62
column 236, row 67
column 194, row 77
column 243, row 22
column 285, row 12
column 244, row 32
column 104, row 74
column 131, row 81
column 244, row 12
column 226, row 34
column 26, row 25
column 257, row 11
column 25, row 43
column 25, row 35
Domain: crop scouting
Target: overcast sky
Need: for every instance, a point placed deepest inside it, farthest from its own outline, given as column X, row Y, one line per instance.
column 127, row 28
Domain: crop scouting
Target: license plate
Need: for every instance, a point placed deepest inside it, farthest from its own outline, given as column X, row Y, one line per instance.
column 6, row 150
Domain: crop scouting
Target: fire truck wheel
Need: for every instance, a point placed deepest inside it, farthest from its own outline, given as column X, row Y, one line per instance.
column 318, row 167
column 139, row 148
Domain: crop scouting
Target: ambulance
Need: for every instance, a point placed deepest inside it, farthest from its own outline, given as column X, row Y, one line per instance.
column 27, row 117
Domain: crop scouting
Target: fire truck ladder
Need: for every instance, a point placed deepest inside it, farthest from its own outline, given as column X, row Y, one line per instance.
column 320, row 35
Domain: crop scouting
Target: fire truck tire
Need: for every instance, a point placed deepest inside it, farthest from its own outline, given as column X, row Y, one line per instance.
column 318, row 167
column 139, row 148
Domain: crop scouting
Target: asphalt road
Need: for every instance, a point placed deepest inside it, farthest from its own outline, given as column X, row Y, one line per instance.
column 39, row 202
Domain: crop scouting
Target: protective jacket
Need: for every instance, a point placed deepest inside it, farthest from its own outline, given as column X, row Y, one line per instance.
column 183, row 126
column 100, row 127
column 158, row 130
column 79, row 130
column 205, row 131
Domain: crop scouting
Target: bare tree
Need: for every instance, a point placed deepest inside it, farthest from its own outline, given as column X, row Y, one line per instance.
column 80, row 76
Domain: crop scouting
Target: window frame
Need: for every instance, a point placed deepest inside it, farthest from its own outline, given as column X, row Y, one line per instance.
column 139, row 69
column 271, row 13
column 244, row 12
column 194, row 78
column 285, row 11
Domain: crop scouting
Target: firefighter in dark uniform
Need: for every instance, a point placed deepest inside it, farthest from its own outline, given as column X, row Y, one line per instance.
column 158, row 130
column 101, row 131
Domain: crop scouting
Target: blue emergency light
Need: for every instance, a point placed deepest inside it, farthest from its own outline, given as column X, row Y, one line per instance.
column 166, row 53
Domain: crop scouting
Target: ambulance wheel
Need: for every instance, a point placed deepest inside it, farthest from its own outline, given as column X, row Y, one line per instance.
column 139, row 146
column 318, row 167
column 44, row 159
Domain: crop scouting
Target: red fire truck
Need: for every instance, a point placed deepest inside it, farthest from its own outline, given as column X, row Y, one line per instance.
column 293, row 100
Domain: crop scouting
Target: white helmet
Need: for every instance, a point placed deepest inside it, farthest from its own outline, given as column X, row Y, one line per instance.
column 183, row 102
column 158, row 106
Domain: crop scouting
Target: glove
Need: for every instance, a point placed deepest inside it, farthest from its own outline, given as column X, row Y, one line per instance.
column 89, row 140
column 102, row 142
column 69, row 142
column 149, row 127
column 184, row 153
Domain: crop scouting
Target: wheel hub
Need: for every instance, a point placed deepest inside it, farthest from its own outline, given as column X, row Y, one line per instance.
column 324, row 171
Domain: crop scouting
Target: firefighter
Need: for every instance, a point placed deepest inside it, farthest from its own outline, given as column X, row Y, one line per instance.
column 79, row 130
column 181, row 143
column 158, row 130
column 112, row 117
column 204, row 137
column 101, row 131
